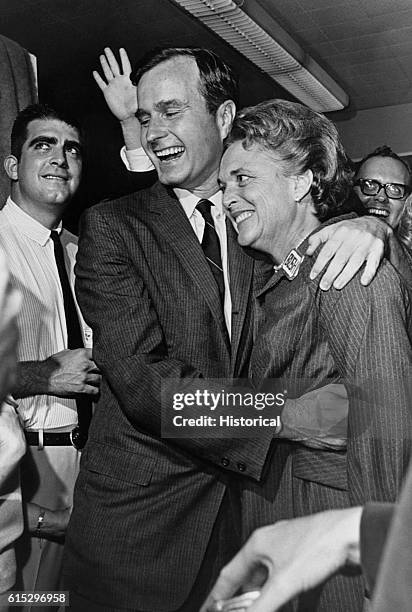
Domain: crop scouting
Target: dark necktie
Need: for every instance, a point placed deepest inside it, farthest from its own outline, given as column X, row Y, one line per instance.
column 211, row 246
column 74, row 334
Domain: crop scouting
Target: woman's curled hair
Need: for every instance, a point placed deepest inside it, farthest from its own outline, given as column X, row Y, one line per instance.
column 300, row 139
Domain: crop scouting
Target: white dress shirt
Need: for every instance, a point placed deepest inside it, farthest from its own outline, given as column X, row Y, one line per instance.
column 42, row 323
column 136, row 160
column 189, row 203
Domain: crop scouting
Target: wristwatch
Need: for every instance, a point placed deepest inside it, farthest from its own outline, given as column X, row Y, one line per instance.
column 40, row 522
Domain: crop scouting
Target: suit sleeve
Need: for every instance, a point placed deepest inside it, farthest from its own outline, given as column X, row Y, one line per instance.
column 374, row 528
column 393, row 590
column 368, row 331
column 131, row 350
column 136, row 160
column 401, row 259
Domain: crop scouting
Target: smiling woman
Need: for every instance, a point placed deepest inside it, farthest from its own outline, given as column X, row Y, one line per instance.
column 266, row 205
column 283, row 172
column 280, row 180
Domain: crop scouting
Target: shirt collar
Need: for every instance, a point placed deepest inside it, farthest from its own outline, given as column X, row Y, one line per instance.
column 190, row 201
column 26, row 224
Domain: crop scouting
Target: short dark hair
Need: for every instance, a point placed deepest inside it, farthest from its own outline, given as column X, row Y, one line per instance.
column 218, row 82
column 385, row 151
column 31, row 113
column 301, row 139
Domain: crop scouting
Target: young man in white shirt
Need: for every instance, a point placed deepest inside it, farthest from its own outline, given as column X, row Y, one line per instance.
column 45, row 168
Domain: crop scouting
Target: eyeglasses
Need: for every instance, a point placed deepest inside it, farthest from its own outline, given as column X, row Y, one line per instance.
column 396, row 191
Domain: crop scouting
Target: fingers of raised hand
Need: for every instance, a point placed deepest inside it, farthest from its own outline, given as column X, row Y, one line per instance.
column 124, row 58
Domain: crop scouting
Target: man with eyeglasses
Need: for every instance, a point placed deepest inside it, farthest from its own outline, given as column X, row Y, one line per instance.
column 383, row 186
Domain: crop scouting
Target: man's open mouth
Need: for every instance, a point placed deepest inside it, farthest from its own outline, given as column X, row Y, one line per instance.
column 54, row 177
column 378, row 212
column 169, row 154
column 243, row 216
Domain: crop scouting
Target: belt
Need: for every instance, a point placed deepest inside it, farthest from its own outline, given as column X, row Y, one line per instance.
column 65, row 438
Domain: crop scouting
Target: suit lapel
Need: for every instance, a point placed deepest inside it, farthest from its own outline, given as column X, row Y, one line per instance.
column 173, row 224
column 240, row 273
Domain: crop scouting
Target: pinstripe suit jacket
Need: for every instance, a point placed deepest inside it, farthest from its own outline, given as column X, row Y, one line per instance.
column 393, row 589
column 145, row 507
column 360, row 336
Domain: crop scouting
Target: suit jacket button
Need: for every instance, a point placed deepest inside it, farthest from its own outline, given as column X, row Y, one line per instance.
column 241, row 467
column 225, row 461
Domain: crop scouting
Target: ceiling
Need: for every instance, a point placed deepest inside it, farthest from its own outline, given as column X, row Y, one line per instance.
column 67, row 38
column 366, row 45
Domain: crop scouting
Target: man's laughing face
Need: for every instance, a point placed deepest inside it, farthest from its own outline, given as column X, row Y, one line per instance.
column 383, row 170
column 179, row 134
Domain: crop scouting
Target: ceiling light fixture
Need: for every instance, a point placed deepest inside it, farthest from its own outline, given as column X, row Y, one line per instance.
column 290, row 67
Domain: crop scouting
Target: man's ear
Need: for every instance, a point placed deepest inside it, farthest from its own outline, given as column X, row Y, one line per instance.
column 11, row 166
column 303, row 183
column 225, row 115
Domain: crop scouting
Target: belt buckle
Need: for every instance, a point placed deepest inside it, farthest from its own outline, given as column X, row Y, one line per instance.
column 77, row 438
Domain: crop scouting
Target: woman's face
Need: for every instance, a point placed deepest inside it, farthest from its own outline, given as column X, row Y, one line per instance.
column 258, row 198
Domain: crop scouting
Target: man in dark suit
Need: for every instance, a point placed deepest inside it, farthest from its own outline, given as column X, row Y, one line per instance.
column 153, row 518
column 150, row 295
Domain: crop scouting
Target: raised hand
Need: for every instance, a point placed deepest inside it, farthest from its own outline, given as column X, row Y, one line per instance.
column 118, row 91
column 120, row 95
